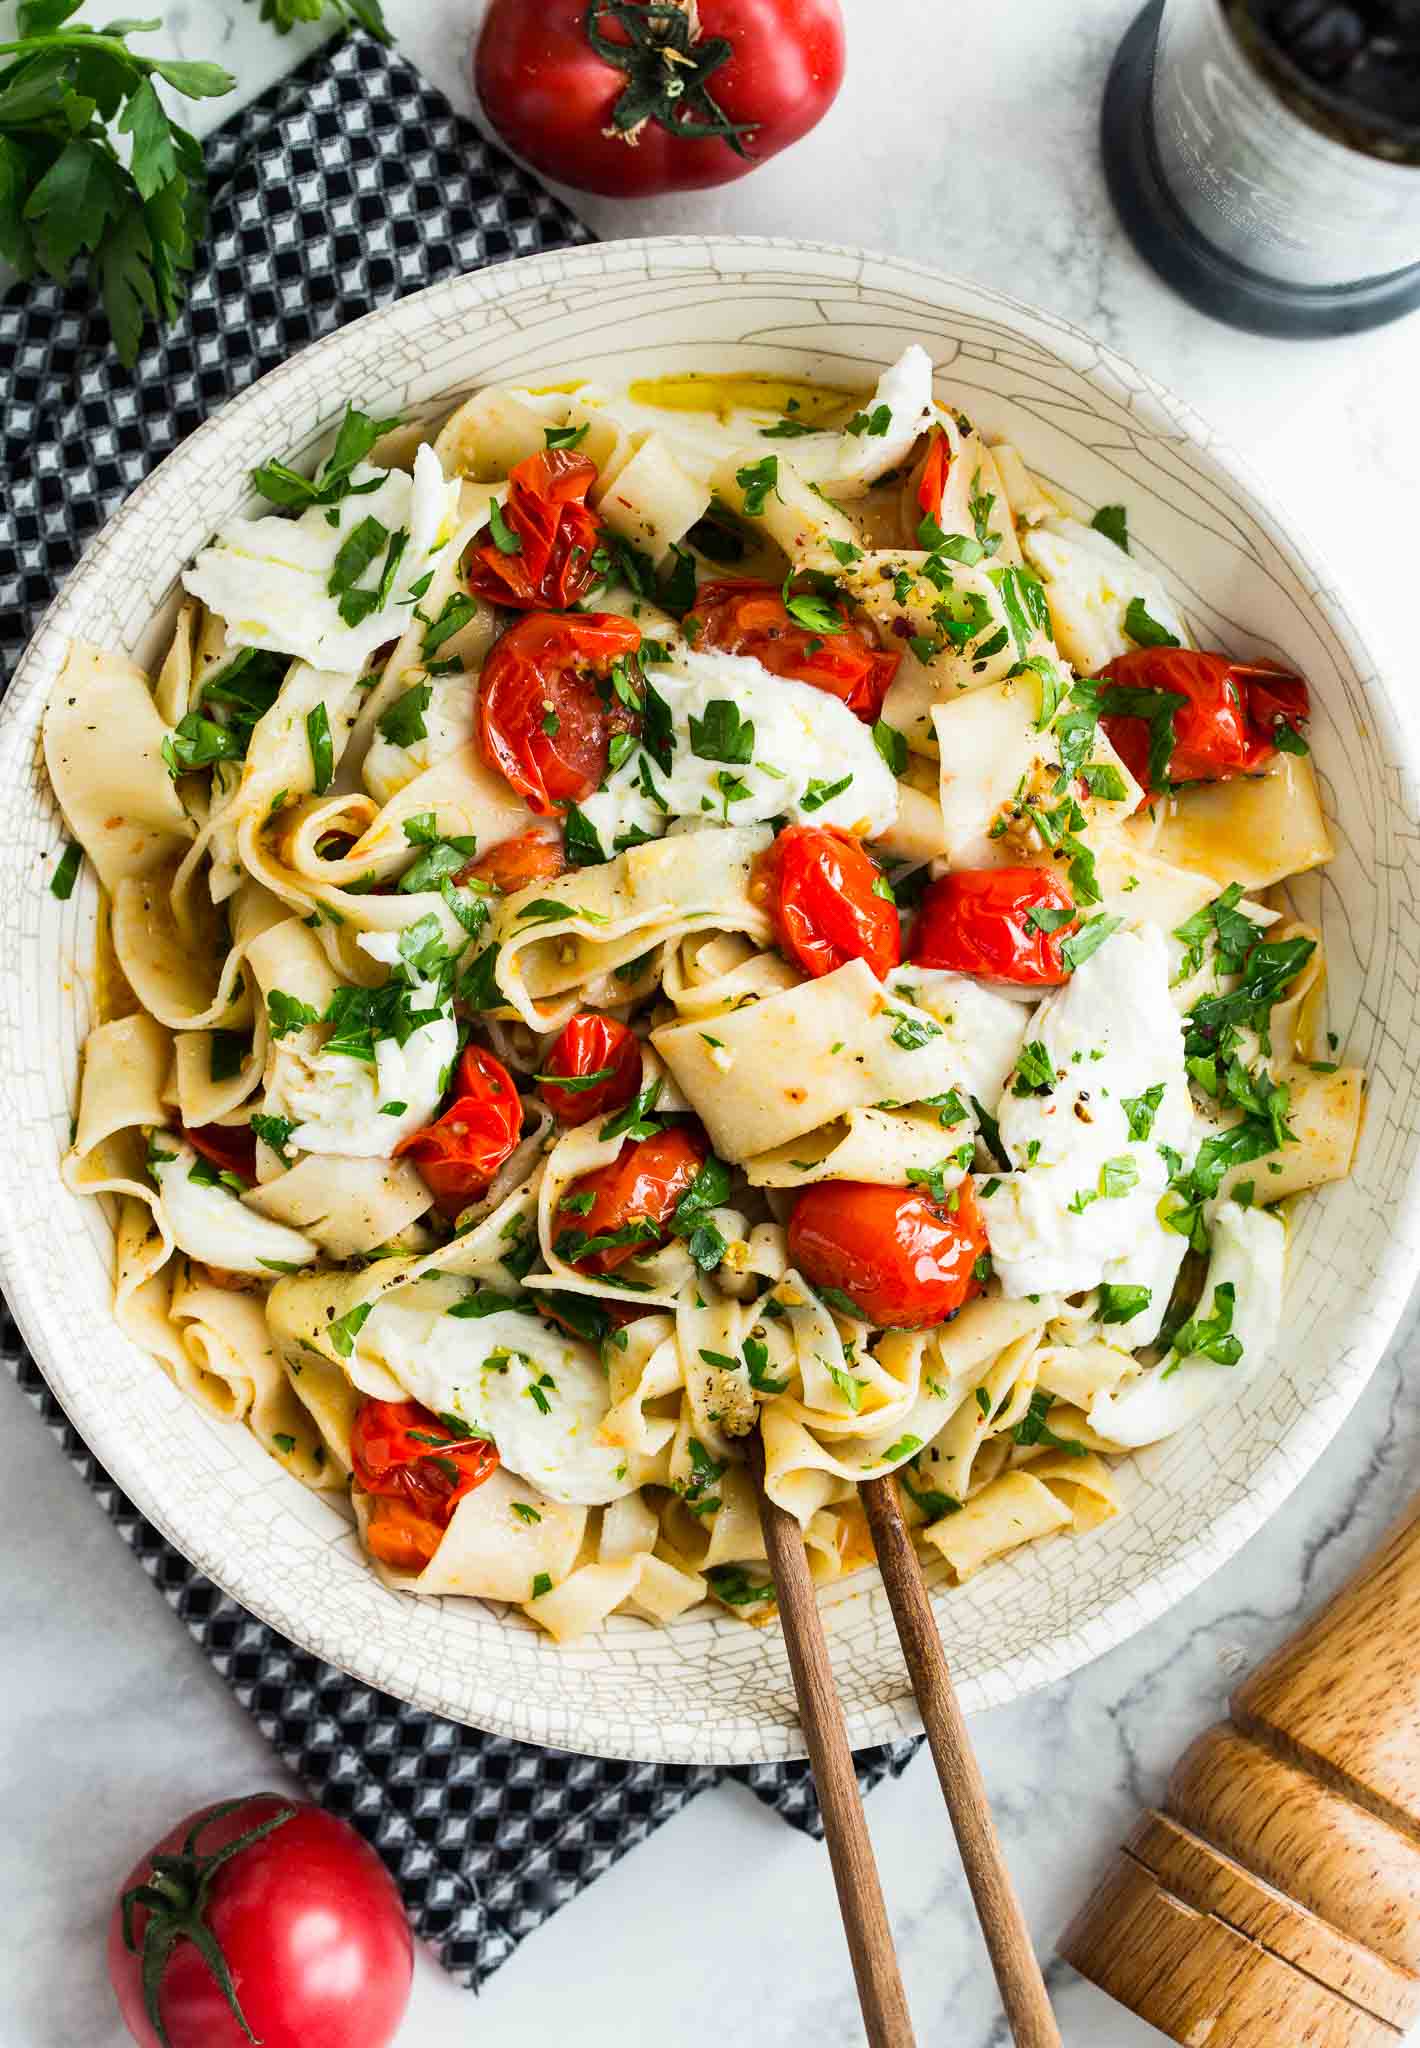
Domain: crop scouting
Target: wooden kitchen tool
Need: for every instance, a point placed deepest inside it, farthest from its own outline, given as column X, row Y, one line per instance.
column 1275, row 1901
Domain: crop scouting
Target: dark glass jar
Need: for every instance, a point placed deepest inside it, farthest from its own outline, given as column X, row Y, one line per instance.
column 1268, row 177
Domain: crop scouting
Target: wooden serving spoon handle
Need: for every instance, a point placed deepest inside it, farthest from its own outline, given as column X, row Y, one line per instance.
column 1275, row 1901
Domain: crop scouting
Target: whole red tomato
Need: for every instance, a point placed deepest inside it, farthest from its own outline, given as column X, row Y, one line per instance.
column 631, row 99
column 631, row 1201
column 547, row 708
column 416, row 1469
column 900, row 1257
column 1224, row 717
column 829, row 902
column 752, row 618
column 295, row 1939
column 1007, row 923
column 459, row 1155
column 593, row 1068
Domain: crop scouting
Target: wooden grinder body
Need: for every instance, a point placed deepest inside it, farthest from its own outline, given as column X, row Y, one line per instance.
column 1275, row 1901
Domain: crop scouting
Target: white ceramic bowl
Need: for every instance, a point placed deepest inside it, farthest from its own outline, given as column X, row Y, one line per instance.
column 709, row 1690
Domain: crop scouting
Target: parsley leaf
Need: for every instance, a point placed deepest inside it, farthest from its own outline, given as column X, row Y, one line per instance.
column 1076, row 950
column 403, row 723
column 757, row 480
column 1141, row 1110
column 1144, row 631
column 1113, row 522
column 1120, row 1304
column 1034, row 1429
column 1210, row 1337
column 722, row 735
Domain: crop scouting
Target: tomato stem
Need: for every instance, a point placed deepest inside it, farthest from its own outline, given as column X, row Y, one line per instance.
column 666, row 63
column 174, row 1896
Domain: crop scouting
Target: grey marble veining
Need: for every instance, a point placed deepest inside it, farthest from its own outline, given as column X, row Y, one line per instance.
column 964, row 139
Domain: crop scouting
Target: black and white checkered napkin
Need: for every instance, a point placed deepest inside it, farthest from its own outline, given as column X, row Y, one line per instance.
column 346, row 185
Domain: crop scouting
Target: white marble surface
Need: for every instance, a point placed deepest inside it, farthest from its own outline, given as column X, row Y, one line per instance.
column 965, row 139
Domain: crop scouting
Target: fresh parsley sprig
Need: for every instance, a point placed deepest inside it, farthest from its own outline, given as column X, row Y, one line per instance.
column 66, row 192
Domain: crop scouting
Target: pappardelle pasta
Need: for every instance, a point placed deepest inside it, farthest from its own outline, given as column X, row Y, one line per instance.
column 633, row 916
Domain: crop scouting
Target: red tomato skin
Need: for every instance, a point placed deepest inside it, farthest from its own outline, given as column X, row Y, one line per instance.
column 751, row 618
column 460, row 1152
column 820, row 884
column 936, row 468
column 312, row 1928
column 547, row 510
column 973, row 921
column 413, row 1492
column 1226, row 727
column 587, row 1043
column 230, row 1147
column 647, row 1178
column 516, row 863
column 550, row 96
column 555, row 659
column 906, row 1260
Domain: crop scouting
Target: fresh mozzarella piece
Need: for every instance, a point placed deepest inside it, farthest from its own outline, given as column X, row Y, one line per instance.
column 983, row 1030
column 1151, row 1263
column 805, row 743
column 1089, row 582
column 338, row 1104
column 268, row 578
column 449, row 719
column 1085, row 1192
column 906, row 391
column 1248, row 1254
column 210, row 1222
column 537, row 1392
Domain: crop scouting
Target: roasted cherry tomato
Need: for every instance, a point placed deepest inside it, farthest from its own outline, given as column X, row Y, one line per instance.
column 418, row 1470
column 632, row 1200
column 261, row 1919
column 1226, row 724
column 230, row 1147
column 546, row 514
column 752, row 618
column 824, row 895
column 979, row 921
column 904, row 1259
column 936, row 468
column 631, row 100
column 460, row 1154
column 531, row 857
column 547, row 707
column 601, row 1060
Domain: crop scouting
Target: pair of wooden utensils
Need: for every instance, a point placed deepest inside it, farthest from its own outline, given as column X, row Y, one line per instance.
column 1273, row 1902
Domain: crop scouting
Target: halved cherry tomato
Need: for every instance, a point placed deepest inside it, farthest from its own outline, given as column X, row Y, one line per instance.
column 1227, row 724
column 752, row 618
column 230, row 1147
column 590, row 1044
column 546, row 512
column 531, row 857
column 978, row 921
column 642, row 1185
column 905, row 1259
column 823, row 892
column 546, row 709
column 460, row 1153
column 419, row 1470
column 932, row 484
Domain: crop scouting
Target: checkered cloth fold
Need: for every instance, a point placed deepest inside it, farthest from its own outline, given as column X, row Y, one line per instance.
column 347, row 184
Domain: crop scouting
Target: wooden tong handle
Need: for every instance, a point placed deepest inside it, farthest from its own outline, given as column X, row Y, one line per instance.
column 1013, row 1958
column 886, row 2019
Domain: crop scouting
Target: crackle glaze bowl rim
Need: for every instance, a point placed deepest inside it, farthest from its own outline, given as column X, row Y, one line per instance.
column 709, row 1690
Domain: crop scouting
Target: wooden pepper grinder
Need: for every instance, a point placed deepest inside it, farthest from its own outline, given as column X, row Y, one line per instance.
column 1275, row 1901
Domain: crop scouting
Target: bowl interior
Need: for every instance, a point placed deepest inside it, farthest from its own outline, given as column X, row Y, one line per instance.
column 708, row 1689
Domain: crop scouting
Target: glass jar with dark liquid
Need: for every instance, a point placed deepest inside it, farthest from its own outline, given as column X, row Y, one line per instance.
column 1265, row 157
